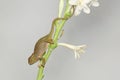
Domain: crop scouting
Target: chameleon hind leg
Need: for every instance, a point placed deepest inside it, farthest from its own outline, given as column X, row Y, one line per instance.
column 42, row 62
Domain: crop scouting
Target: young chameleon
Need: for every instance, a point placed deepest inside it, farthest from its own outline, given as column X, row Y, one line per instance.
column 42, row 45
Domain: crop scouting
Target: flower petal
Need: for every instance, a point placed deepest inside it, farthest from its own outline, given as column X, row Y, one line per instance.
column 86, row 1
column 77, row 10
column 95, row 4
column 86, row 9
column 73, row 2
column 76, row 54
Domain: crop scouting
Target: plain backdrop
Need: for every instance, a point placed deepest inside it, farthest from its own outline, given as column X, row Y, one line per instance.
column 23, row 22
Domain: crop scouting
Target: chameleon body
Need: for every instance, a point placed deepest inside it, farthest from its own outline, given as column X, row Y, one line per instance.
column 42, row 45
column 39, row 50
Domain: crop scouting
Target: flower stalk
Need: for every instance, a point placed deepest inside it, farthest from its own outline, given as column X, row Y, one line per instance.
column 59, row 27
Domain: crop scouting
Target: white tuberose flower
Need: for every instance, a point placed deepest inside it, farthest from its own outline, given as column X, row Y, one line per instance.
column 77, row 49
column 83, row 5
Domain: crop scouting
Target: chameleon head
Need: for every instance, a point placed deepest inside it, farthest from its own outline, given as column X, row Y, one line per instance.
column 32, row 59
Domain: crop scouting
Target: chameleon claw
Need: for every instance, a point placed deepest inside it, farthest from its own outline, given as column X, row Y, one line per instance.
column 40, row 65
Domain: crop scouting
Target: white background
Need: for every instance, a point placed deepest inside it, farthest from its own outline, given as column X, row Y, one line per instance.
column 23, row 22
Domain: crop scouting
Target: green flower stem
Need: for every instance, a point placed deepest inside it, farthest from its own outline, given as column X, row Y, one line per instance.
column 56, row 36
column 40, row 73
column 61, row 6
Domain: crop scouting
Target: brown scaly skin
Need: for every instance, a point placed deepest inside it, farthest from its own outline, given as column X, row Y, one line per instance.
column 42, row 45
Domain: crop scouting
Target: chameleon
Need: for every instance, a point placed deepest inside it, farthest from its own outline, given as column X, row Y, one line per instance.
column 42, row 45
